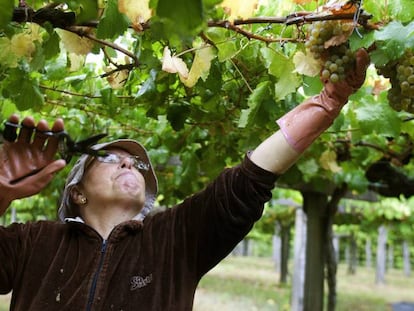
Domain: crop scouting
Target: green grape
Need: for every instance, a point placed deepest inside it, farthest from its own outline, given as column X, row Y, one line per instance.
column 333, row 67
column 336, row 60
column 401, row 75
column 325, row 74
column 408, row 71
column 334, row 78
column 405, row 86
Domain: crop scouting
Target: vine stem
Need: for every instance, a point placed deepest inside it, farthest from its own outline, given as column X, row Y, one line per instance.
column 81, row 33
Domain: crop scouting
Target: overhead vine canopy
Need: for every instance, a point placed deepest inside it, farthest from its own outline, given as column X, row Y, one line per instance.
column 201, row 82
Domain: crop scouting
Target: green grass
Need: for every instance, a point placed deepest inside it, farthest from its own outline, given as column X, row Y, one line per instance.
column 4, row 302
column 255, row 282
column 241, row 283
column 251, row 284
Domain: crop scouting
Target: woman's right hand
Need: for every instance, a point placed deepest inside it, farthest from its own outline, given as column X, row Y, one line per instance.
column 27, row 163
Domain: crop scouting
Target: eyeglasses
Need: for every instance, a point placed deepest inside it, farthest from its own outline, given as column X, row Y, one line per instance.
column 114, row 158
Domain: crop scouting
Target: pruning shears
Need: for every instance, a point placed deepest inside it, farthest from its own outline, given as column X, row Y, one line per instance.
column 67, row 147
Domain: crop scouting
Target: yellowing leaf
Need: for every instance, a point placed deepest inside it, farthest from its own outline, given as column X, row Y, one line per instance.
column 201, row 66
column 240, row 8
column 35, row 32
column 22, row 45
column 302, row 2
column 340, row 6
column 118, row 78
column 74, row 43
column 174, row 64
column 76, row 61
column 328, row 161
column 7, row 57
column 137, row 11
column 306, row 64
column 347, row 29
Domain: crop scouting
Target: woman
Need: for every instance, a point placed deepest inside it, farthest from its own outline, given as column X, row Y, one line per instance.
column 106, row 253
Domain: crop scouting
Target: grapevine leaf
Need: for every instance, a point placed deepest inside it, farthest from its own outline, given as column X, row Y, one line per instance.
column 287, row 84
column 353, row 176
column 238, row 9
column 394, row 39
column 283, row 68
column 173, row 64
column 308, row 167
column 184, row 17
column 177, row 113
column 148, row 87
column 312, row 85
column 328, row 161
column 38, row 59
column 402, row 10
column 306, row 64
column 363, row 40
column 7, row 108
column 110, row 100
column 137, row 11
column 7, row 57
column 22, row 90
column 6, row 12
column 74, row 43
column 370, row 112
column 51, row 45
column 86, row 10
column 392, row 31
column 256, row 99
column 112, row 23
column 226, row 50
column 201, row 66
column 117, row 79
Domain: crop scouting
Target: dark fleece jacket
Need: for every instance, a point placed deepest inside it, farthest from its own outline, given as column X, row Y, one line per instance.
column 150, row 265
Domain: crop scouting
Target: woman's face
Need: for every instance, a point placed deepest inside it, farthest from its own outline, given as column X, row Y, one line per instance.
column 114, row 183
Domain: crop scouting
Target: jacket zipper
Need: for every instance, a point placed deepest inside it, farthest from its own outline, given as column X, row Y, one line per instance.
column 96, row 276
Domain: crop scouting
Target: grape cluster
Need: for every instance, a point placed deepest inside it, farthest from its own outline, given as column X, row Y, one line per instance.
column 326, row 43
column 401, row 75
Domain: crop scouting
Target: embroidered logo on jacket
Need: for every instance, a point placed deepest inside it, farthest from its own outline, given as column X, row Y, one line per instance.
column 138, row 281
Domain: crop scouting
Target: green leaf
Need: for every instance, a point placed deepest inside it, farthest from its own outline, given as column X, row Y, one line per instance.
column 38, row 59
column 402, row 10
column 260, row 93
column 51, row 45
column 185, row 17
column 283, row 68
column 312, row 85
column 177, row 114
column 23, row 90
column 6, row 12
column 372, row 114
column 7, row 108
column 86, row 10
column 366, row 41
column 148, row 87
column 308, row 167
column 393, row 39
column 113, row 23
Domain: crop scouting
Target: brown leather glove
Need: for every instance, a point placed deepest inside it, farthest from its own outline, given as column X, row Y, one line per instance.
column 28, row 163
column 304, row 123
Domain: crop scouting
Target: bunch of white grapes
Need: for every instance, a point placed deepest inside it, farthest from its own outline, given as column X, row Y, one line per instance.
column 401, row 75
column 326, row 43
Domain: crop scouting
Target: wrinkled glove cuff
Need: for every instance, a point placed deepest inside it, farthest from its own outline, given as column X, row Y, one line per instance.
column 304, row 123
